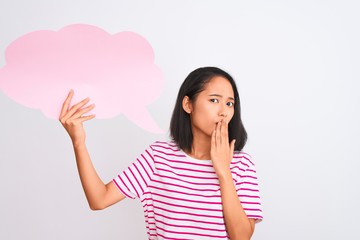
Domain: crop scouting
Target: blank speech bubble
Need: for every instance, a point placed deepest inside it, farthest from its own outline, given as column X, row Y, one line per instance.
column 117, row 72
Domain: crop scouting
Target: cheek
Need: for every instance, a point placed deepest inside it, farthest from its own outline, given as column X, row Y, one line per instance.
column 207, row 113
column 230, row 116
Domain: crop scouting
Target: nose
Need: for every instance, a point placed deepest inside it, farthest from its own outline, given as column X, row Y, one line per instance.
column 222, row 112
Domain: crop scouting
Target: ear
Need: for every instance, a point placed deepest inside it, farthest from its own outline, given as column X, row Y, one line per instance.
column 187, row 105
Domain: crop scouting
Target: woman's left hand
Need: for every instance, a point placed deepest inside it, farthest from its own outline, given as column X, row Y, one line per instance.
column 221, row 152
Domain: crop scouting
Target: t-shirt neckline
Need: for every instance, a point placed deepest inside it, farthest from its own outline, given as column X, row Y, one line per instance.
column 195, row 159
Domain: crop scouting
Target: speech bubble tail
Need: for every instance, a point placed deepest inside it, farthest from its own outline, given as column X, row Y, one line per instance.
column 143, row 119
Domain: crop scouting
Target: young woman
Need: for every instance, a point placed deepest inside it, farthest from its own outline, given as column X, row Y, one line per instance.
column 199, row 185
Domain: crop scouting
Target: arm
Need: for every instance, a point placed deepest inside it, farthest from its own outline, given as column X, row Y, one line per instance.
column 98, row 195
column 238, row 225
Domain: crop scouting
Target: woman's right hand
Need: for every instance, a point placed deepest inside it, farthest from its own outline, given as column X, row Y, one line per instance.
column 72, row 118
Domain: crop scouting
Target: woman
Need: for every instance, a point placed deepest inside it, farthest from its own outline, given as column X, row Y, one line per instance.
column 197, row 186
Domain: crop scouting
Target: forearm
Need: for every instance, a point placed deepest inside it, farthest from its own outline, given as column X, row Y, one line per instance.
column 237, row 223
column 93, row 186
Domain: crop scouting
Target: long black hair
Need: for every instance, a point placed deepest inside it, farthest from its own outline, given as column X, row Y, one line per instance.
column 180, row 125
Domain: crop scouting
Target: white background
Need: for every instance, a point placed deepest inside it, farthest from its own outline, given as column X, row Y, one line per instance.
column 296, row 64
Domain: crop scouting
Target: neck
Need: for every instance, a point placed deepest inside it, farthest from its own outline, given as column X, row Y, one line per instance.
column 201, row 146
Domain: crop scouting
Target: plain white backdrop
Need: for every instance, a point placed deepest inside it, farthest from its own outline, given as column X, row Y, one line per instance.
column 296, row 64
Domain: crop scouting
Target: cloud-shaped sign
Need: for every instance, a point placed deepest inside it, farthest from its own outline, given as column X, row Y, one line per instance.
column 117, row 72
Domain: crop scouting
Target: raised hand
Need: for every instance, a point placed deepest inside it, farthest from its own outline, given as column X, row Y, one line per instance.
column 221, row 151
column 72, row 118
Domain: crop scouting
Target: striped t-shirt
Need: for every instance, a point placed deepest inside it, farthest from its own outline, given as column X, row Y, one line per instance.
column 180, row 195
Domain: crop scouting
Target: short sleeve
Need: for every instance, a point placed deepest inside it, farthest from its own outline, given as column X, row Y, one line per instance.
column 134, row 181
column 247, row 187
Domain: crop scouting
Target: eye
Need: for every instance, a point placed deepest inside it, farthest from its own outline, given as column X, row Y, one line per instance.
column 230, row 104
column 214, row 100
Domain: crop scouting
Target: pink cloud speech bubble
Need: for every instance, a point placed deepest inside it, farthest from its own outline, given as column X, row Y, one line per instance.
column 116, row 71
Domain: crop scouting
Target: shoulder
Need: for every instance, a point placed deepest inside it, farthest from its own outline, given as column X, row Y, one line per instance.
column 164, row 146
column 242, row 158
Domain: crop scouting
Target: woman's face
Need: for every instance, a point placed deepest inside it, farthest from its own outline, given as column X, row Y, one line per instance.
column 215, row 103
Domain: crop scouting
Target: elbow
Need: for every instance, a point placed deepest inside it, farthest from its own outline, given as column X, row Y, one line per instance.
column 240, row 235
column 96, row 207
column 243, row 233
column 244, row 236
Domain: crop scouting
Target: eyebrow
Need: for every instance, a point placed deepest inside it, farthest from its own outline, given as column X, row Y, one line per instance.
column 218, row 95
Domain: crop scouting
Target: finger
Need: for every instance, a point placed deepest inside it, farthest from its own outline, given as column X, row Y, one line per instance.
column 80, row 120
column 85, row 118
column 213, row 139
column 76, row 107
column 224, row 132
column 83, row 111
column 66, row 103
column 218, row 134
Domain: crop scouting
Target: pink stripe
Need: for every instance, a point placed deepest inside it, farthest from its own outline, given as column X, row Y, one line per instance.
column 149, row 211
column 185, row 162
column 144, row 168
column 242, row 156
column 140, row 176
column 152, row 170
column 207, row 184
column 172, row 148
column 249, row 159
column 149, row 154
column 249, row 189
column 190, row 233
column 186, row 169
column 249, row 196
column 189, row 220
column 173, row 238
column 123, row 182
column 169, row 154
column 241, row 162
column 253, row 209
column 184, row 175
column 186, row 200
column 121, row 189
column 244, row 176
column 138, row 184
column 171, row 144
column 248, row 176
column 137, row 194
column 195, row 227
column 183, row 193
column 255, row 216
column 181, row 186
column 251, row 183
column 182, row 206
column 237, row 174
column 187, row 213
column 237, row 167
column 257, row 203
